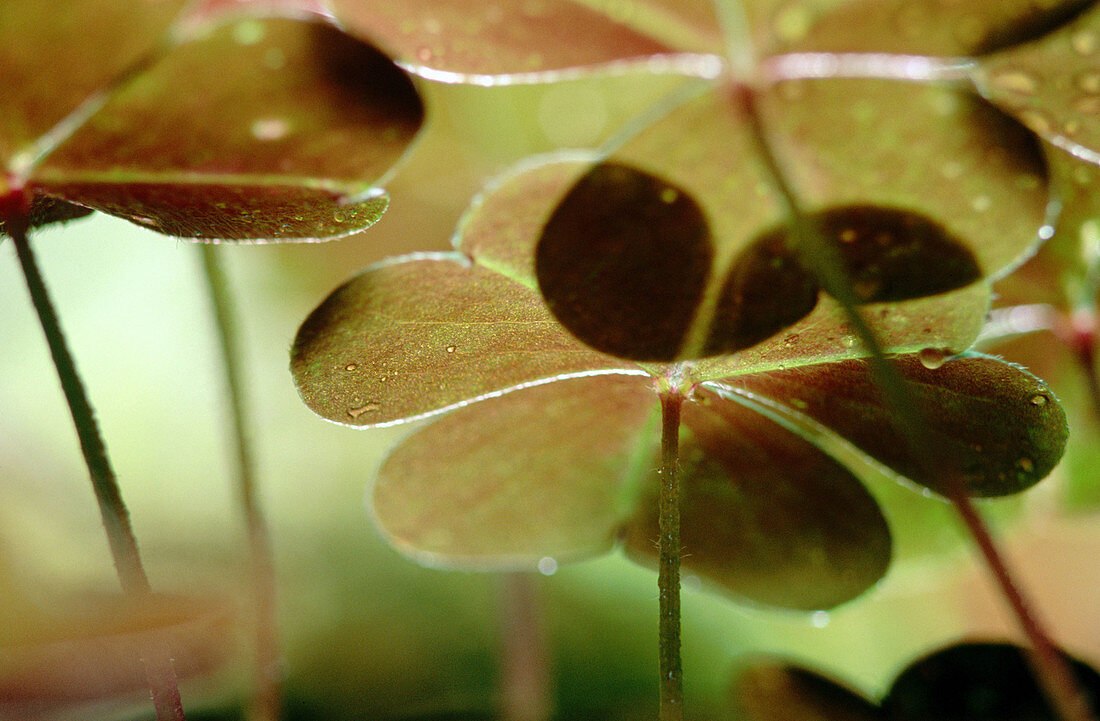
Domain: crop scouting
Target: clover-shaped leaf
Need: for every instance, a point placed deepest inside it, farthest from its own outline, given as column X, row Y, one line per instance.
column 969, row 681
column 201, row 125
column 549, row 448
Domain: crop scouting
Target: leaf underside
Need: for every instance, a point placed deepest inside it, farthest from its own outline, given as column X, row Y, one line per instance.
column 259, row 128
column 995, row 428
column 765, row 515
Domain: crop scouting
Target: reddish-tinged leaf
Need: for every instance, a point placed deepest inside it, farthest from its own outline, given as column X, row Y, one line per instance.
column 677, row 247
column 978, row 682
column 413, row 337
column 49, row 210
column 682, row 24
column 1052, row 85
column 236, row 134
column 774, row 691
column 457, row 41
column 951, row 320
column 934, row 154
column 996, row 428
column 538, row 473
column 765, row 515
column 54, row 55
column 975, row 681
column 912, row 27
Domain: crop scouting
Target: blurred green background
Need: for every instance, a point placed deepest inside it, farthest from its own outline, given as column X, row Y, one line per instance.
column 367, row 634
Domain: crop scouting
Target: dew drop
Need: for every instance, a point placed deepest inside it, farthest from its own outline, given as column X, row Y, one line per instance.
column 981, row 203
column 1088, row 81
column 1015, row 81
column 270, row 129
column 339, row 216
column 1084, row 42
column 424, row 54
column 933, row 358
column 249, row 32
column 848, row 341
column 951, row 169
column 1025, row 464
column 1039, row 400
column 432, row 26
column 547, row 566
column 360, row 410
column 350, row 367
column 451, row 349
column 669, row 195
column 819, row 619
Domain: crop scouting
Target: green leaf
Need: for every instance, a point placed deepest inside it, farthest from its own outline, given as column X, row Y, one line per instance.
column 263, row 128
column 456, row 41
column 415, row 336
column 1052, row 85
column 996, row 428
column 765, row 515
column 483, row 488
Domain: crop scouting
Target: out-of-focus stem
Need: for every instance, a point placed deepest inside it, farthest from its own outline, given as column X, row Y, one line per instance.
column 267, row 694
column 668, row 577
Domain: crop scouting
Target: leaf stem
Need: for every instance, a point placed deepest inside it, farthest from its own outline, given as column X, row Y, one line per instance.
column 1052, row 672
column 526, row 693
column 267, row 695
column 668, row 577
column 157, row 661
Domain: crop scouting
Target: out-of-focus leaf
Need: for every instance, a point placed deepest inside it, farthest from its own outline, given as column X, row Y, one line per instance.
column 996, row 428
column 533, row 474
column 974, row 681
column 456, row 39
column 413, row 337
column 910, row 27
column 52, row 664
column 263, row 128
column 55, row 55
column 765, row 515
column 977, row 682
column 1052, row 85
column 683, row 24
column 773, row 691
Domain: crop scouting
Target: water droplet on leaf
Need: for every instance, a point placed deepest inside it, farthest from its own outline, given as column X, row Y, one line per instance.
column 1039, row 400
column 350, row 367
column 451, row 349
column 360, row 410
column 933, row 358
column 1015, row 81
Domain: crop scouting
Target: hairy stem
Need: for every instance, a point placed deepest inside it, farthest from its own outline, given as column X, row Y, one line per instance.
column 157, row 660
column 526, row 693
column 267, row 694
column 1051, row 670
column 668, row 577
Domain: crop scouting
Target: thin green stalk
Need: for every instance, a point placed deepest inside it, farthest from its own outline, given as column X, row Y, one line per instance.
column 526, row 693
column 267, row 694
column 1052, row 672
column 668, row 576
column 159, row 670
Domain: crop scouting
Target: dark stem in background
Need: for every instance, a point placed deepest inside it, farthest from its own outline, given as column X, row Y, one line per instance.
column 668, row 577
column 157, row 660
column 526, row 688
column 267, row 694
column 1052, row 672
